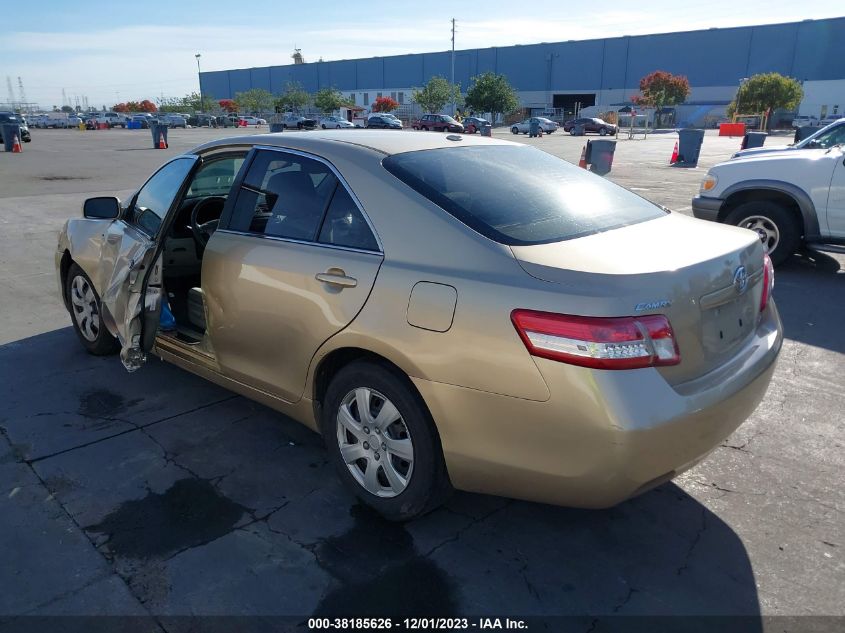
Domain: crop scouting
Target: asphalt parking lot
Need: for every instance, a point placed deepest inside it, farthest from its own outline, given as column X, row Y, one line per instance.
column 158, row 494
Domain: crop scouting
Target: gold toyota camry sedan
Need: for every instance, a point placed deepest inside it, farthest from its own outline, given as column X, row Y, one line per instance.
column 447, row 311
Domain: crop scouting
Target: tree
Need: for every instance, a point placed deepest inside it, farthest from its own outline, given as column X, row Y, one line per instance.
column 492, row 93
column 120, row 107
column 660, row 89
column 228, row 105
column 254, row 100
column 147, row 106
column 329, row 100
column 384, row 104
column 67, row 108
column 766, row 93
column 293, row 98
column 193, row 101
column 436, row 94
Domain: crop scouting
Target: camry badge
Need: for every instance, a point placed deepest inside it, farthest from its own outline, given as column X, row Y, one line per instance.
column 740, row 279
column 652, row 305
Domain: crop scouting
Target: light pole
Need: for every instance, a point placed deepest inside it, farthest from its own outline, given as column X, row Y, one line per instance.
column 199, row 78
column 738, row 94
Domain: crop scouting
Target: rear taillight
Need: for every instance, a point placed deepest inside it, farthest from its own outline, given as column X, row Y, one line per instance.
column 598, row 342
column 768, row 282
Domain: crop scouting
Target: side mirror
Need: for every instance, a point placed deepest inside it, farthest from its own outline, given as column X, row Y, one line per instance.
column 103, row 208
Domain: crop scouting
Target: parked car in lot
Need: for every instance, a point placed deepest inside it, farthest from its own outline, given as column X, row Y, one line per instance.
column 599, row 126
column 202, row 120
column 334, row 123
column 563, row 341
column 547, row 125
column 828, row 136
column 293, row 120
column 251, row 121
column 11, row 117
column 437, row 123
column 381, row 121
column 170, row 120
column 788, row 198
column 802, row 120
column 142, row 119
column 473, row 124
column 832, row 119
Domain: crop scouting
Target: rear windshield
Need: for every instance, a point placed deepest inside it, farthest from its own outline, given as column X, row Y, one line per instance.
column 519, row 195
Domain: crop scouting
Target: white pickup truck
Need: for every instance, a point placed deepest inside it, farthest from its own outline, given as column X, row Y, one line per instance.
column 788, row 197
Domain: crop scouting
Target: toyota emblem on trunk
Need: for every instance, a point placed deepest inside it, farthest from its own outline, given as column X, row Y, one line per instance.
column 740, row 279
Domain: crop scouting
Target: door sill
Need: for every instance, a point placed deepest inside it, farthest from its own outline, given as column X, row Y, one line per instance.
column 186, row 347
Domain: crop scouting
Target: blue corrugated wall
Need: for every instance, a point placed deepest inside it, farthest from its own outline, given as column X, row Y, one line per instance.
column 809, row 50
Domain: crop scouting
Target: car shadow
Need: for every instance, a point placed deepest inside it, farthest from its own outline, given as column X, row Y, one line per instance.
column 205, row 502
column 810, row 295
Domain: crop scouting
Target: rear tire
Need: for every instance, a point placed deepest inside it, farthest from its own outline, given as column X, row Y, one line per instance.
column 411, row 488
column 603, row 132
column 778, row 228
column 85, row 311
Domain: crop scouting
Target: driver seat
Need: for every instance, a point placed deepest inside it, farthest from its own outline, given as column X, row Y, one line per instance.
column 196, row 308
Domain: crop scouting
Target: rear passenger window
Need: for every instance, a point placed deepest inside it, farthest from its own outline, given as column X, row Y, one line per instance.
column 345, row 226
column 283, row 195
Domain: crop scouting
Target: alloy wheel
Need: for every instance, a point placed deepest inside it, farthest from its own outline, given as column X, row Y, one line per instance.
column 86, row 310
column 766, row 230
column 375, row 443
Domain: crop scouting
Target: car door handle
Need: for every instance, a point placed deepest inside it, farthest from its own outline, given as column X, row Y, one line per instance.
column 336, row 277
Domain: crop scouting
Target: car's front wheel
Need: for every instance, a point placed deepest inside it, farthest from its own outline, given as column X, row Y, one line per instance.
column 603, row 131
column 85, row 311
column 777, row 227
column 323, row 125
column 572, row 131
column 514, row 130
column 382, row 441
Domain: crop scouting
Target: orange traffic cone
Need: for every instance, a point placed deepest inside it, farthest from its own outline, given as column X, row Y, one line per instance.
column 16, row 145
column 583, row 162
column 674, row 158
column 161, row 143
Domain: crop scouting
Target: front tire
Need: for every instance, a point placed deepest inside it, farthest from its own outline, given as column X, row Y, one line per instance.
column 603, row 132
column 777, row 227
column 514, row 130
column 323, row 125
column 85, row 309
column 382, row 441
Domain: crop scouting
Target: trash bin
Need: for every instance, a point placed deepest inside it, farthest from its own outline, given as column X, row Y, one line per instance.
column 276, row 128
column 753, row 139
column 10, row 130
column 600, row 156
column 805, row 131
column 157, row 130
column 486, row 130
column 533, row 128
column 689, row 147
column 578, row 130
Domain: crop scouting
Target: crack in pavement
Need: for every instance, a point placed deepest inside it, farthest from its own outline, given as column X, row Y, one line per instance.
column 696, row 538
column 79, row 528
column 136, row 427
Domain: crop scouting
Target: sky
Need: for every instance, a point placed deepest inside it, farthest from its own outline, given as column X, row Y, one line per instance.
column 135, row 51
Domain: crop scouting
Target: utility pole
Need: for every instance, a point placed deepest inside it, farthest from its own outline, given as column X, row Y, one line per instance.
column 452, row 87
column 199, row 78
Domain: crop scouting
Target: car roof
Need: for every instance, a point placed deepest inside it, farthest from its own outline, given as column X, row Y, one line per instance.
column 383, row 141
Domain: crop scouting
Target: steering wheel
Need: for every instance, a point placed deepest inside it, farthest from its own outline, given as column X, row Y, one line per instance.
column 202, row 232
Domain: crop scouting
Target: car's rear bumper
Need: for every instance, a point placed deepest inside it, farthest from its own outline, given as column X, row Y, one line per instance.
column 706, row 208
column 603, row 436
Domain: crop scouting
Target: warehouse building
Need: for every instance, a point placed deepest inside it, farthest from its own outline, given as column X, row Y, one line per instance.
column 603, row 73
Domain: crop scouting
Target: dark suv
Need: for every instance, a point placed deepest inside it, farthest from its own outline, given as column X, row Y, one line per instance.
column 384, row 122
column 438, row 123
column 473, row 124
column 590, row 125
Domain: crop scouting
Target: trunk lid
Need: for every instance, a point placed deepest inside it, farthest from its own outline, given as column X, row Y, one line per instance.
column 683, row 268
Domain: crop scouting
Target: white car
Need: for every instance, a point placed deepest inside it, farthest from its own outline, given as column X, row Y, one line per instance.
column 788, row 198
column 334, row 123
column 293, row 120
column 825, row 137
column 252, row 120
column 547, row 125
column 804, row 119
